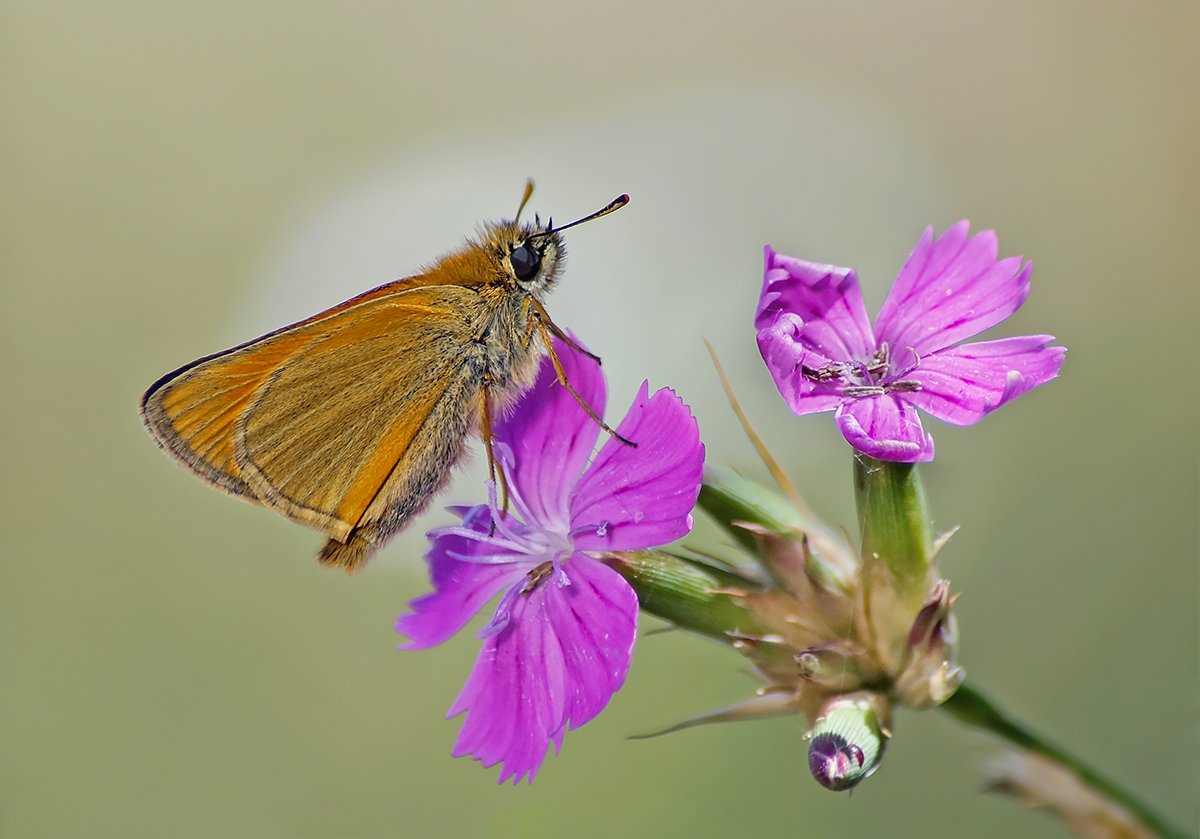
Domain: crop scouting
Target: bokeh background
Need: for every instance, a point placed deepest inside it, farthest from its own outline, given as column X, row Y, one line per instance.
column 180, row 177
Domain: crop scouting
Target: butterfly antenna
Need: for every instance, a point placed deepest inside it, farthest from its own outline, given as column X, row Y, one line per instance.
column 611, row 207
column 524, row 198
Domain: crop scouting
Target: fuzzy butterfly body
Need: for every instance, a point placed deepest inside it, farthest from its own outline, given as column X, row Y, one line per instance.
column 349, row 422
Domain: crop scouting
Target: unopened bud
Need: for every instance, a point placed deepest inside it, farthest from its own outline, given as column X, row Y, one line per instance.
column 931, row 673
column 846, row 740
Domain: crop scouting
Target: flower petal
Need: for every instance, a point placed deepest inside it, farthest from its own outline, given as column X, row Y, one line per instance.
column 809, row 314
column 597, row 629
column 785, row 354
column 641, row 496
column 460, row 588
column 962, row 384
column 885, row 428
column 551, row 436
column 564, row 653
column 949, row 290
column 825, row 297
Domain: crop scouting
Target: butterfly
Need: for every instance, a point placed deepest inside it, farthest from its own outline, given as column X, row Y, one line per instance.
column 351, row 420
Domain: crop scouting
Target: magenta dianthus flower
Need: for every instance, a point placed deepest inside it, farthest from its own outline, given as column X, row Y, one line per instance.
column 561, row 639
column 816, row 339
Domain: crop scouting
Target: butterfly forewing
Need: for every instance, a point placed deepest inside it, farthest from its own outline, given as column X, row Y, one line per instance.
column 314, row 420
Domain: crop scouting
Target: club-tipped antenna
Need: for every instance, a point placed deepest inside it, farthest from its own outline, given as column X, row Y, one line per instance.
column 611, row 207
column 524, row 198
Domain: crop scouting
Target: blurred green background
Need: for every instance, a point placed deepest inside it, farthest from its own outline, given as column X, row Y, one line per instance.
column 180, row 177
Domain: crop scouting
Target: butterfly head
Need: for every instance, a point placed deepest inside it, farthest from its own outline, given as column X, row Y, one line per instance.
column 531, row 256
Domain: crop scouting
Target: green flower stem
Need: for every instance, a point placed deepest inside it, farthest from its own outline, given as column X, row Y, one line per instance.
column 976, row 710
column 897, row 546
column 893, row 518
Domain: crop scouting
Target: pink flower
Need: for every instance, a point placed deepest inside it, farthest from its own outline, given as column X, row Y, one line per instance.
column 560, row 641
column 814, row 335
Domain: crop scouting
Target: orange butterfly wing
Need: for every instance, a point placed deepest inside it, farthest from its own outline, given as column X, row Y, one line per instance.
column 340, row 420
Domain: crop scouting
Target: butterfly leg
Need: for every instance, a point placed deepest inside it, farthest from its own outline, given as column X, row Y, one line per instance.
column 542, row 317
column 562, row 380
column 495, row 470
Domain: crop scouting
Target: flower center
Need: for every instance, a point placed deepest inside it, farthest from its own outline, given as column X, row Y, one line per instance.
column 873, row 377
column 543, row 551
column 552, row 548
column 517, row 537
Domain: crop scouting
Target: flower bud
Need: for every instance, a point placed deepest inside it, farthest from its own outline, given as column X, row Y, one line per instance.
column 846, row 740
column 931, row 673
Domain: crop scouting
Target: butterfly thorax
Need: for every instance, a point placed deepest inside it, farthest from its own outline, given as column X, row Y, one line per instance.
column 511, row 266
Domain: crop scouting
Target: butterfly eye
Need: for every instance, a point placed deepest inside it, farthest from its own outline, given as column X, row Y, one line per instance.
column 525, row 262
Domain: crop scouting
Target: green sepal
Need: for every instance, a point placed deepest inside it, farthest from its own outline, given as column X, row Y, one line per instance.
column 692, row 595
column 796, row 548
column 731, row 499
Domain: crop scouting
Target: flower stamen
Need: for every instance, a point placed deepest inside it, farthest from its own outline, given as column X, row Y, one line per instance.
column 537, row 576
column 825, row 373
column 516, row 544
column 915, row 364
column 870, row 378
column 879, row 361
column 859, row 391
column 498, row 515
